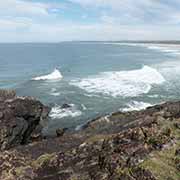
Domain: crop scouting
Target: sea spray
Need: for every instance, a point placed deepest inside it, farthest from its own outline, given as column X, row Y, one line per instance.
column 55, row 75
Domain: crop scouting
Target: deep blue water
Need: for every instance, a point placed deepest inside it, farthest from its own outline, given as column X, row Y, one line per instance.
column 98, row 78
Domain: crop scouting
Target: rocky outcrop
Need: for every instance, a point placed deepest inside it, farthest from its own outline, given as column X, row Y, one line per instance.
column 19, row 117
column 138, row 145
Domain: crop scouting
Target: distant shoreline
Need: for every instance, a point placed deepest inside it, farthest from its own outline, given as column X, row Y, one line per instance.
column 88, row 41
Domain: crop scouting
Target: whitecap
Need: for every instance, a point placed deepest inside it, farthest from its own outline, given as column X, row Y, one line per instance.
column 122, row 83
column 136, row 106
column 55, row 93
column 154, row 96
column 55, row 75
column 57, row 112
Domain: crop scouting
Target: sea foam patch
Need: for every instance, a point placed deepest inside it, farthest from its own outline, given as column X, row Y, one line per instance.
column 55, row 75
column 57, row 112
column 136, row 106
column 123, row 83
column 164, row 48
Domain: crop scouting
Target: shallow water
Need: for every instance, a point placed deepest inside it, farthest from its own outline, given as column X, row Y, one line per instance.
column 96, row 78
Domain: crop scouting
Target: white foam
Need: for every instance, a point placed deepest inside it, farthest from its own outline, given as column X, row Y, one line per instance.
column 154, row 96
column 136, row 106
column 57, row 112
column 55, row 75
column 165, row 48
column 123, row 83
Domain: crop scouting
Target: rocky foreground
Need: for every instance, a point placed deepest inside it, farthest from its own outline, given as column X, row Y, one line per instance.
column 139, row 145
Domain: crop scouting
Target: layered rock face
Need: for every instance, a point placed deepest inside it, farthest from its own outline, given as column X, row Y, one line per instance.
column 138, row 145
column 18, row 118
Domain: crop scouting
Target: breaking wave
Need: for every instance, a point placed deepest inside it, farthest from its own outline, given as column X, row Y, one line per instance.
column 136, row 106
column 122, row 83
column 57, row 112
column 55, row 75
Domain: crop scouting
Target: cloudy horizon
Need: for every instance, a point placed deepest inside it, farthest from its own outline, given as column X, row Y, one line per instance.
column 88, row 20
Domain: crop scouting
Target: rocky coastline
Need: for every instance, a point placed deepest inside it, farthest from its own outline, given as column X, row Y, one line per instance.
column 137, row 145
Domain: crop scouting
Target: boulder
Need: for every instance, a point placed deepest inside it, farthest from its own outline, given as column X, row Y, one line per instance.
column 19, row 117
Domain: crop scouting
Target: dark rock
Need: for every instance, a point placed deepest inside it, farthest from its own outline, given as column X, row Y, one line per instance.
column 60, row 132
column 65, row 106
column 20, row 118
column 113, row 147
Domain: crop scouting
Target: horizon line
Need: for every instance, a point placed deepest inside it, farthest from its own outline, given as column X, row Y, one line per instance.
column 121, row 41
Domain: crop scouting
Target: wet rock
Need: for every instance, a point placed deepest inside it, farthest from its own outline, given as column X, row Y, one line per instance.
column 65, row 106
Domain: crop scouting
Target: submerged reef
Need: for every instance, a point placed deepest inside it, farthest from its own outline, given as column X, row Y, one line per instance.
column 137, row 145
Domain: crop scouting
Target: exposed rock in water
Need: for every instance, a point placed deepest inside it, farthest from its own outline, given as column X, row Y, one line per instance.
column 65, row 106
column 138, row 145
column 19, row 117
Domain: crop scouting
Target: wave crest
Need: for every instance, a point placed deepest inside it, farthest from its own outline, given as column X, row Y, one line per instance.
column 123, row 83
column 55, row 75
column 136, row 106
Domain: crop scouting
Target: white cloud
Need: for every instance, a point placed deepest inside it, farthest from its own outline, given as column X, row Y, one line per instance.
column 68, row 32
column 15, row 24
column 136, row 11
column 26, row 8
column 118, row 20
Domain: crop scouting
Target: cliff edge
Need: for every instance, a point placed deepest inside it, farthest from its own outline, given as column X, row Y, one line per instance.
column 138, row 145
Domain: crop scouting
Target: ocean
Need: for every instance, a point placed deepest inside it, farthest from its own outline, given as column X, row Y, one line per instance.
column 94, row 78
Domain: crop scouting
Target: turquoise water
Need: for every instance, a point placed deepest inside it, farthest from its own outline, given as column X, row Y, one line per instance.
column 95, row 78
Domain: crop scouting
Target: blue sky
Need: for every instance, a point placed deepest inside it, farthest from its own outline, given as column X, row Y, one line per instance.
column 66, row 20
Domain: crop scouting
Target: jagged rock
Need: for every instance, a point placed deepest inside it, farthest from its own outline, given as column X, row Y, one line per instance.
column 20, row 118
column 113, row 147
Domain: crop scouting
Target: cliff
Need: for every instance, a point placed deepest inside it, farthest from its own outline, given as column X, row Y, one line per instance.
column 138, row 145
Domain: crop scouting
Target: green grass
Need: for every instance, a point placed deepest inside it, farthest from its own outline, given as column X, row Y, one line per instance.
column 162, row 164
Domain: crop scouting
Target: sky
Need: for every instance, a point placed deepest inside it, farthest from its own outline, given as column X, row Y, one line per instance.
column 100, row 20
